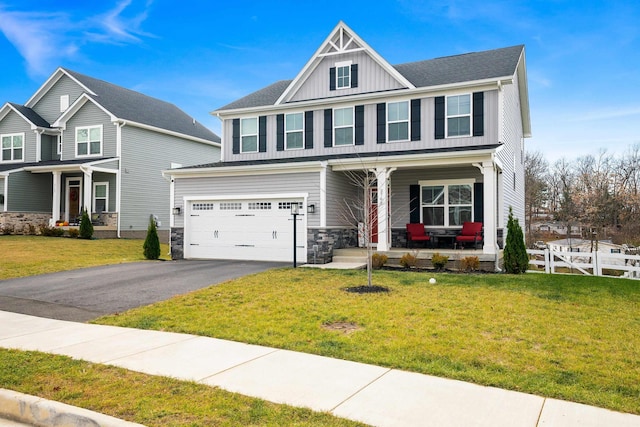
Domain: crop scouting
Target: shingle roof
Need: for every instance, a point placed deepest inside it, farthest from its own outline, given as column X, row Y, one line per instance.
column 431, row 72
column 31, row 115
column 134, row 106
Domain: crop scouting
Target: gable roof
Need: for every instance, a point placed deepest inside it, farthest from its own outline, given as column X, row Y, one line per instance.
column 131, row 106
column 26, row 113
column 469, row 67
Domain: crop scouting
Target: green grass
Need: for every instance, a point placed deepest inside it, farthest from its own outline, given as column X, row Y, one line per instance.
column 149, row 400
column 568, row 337
column 30, row 255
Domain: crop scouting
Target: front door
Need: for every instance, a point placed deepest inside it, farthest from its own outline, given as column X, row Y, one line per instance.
column 74, row 200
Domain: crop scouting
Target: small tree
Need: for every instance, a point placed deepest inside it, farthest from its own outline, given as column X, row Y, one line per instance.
column 516, row 260
column 152, row 242
column 86, row 228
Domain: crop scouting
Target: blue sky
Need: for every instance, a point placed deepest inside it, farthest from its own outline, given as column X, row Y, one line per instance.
column 583, row 57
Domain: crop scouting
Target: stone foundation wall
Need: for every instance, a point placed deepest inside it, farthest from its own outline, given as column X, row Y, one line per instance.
column 107, row 219
column 325, row 240
column 23, row 222
column 177, row 243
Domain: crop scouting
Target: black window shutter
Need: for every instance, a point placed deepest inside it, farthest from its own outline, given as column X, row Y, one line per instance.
column 478, row 114
column 354, row 75
column 359, row 124
column 262, row 134
column 478, row 202
column 308, row 129
column 328, row 127
column 332, row 78
column 280, row 132
column 382, row 123
column 415, row 120
column 439, row 125
column 235, row 136
column 414, row 204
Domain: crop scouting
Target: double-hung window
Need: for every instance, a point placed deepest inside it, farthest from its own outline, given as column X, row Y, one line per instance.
column 89, row 141
column 13, row 147
column 343, row 75
column 294, row 129
column 459, row 115
column 343, row 126
column 100, row 197
column 446, row 204
column 398, row 121
column 249, row 135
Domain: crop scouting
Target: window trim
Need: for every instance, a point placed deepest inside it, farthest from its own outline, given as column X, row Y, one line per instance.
column 352, row 126
column 286, row 132
column 12, row 148
column 446, row 205
column 106, row 197
column 89, row 154
column 257, row 135
column 347, row 65
column 447, row 116
column 408, row 121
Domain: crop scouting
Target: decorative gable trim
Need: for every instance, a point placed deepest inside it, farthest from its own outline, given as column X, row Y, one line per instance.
column 7, row 108
column 51, row 81
column 61, row 122
column 341, row 40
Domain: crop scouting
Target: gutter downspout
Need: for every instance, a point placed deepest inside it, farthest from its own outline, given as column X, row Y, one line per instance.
column 172, row 217
column 119, row 125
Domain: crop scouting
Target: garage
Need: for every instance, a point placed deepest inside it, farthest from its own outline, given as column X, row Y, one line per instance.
column 244, row 229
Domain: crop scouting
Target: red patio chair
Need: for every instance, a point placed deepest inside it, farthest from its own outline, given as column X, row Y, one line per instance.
column 471, row 232
column 416, row 233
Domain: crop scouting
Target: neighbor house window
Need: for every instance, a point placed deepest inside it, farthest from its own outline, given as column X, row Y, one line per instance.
column 249, row 135
column 343, row 75
column 13, row 147
column 343, row 126
column 100, row 197
column 398, row 121
column 294, row 129
column 89, row 141
column 447, row 205
column 459, row 115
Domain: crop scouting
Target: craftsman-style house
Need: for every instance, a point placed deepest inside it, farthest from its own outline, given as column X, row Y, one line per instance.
column 82, row 143
column 443, row 137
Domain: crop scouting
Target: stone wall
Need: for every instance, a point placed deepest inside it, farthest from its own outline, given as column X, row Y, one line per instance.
column 321, row 243
column 23, row 222
column 177, row 243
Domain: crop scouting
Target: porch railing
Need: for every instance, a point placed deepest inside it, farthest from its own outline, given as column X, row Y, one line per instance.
column 589, row 263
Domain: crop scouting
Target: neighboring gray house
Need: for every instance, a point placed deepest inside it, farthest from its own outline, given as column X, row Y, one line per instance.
column 444, row 137
column 80, row 142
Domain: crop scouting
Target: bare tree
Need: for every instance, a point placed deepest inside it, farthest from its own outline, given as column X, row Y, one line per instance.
column 535, row 184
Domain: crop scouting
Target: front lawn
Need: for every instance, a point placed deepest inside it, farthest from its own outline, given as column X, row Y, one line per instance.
column 30, row 255
column 569, row 337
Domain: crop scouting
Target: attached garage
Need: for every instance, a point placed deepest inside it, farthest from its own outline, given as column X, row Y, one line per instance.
column 242, row 228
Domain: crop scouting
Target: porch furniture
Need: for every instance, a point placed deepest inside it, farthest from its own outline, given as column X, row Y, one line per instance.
column 444, row 238
column 416, row 233
column 471, row 232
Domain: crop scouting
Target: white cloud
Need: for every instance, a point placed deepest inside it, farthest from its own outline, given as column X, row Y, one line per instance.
column 44, row 39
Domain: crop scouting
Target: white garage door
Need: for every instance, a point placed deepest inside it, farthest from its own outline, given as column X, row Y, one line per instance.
column 260, row 229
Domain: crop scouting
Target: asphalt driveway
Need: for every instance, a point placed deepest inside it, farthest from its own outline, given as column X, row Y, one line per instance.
column 81, row 295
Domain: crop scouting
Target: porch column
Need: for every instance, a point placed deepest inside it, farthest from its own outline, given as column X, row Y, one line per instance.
column 382, row 178
column 490, row 206
column 86, row 195
column 57, row 188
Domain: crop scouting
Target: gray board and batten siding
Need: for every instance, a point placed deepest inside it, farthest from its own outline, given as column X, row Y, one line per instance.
column 144, row 190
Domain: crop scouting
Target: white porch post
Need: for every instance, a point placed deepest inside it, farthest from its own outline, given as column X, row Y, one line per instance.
column 86, row 194
column 57, row 188
column 382, row 177
column 489, row 207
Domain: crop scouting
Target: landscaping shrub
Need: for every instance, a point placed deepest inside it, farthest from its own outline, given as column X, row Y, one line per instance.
column 73, row 233
column 378, row 260
column 408, row 260
column 47, row 231
column 470, row 263
column 439, row 261
column 152, row 242
column 516, row 260
column 86, row 228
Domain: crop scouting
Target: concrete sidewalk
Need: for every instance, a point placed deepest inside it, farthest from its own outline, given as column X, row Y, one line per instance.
column 366, row 393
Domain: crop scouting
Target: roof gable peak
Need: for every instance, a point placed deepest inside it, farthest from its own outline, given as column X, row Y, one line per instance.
column 341, row 40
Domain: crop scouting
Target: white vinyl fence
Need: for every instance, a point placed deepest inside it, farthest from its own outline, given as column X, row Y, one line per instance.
column 589, row 263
